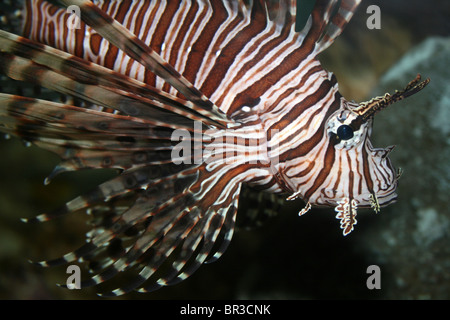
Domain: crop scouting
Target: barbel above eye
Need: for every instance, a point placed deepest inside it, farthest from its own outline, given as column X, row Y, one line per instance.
column 344, row 132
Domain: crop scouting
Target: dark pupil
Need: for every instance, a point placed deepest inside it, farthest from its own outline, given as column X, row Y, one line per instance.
column 345, row 132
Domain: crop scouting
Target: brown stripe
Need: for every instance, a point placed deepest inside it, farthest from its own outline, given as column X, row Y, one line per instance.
column 94, row 43
column 199, row 49
column 122, row 11
column 27, row 19
column 79, row 43
column 139, row 19
column 360, row 178
column 131, row 12
column 350, row 177
column 366, row 170
column 338, row 164
column 325, row 172
column 306, row 171
column 64, row 44
column 126, row 8
column 252, row 93
column 163, row 25
column 261, row 55
column 39, row 23
column 229, row 52
column 185, row 22
column 288, row 91
column 304, row 148
column 159, row 35
column 311, row 101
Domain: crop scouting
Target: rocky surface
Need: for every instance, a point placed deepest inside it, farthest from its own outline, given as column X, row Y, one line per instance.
column 412, row 237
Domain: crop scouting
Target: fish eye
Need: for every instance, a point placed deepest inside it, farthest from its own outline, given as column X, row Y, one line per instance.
column 344, row 132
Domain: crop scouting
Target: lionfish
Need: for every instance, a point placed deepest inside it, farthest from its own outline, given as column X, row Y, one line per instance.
column 191, row 100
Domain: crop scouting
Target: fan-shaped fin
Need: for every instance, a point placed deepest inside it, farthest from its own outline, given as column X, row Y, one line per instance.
column 82, row 71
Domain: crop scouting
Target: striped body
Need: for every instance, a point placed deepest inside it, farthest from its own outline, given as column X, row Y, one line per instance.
column 236, row 57
column 271, row 117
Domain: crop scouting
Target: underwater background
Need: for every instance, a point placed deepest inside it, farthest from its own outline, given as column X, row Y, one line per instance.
column 288, row 257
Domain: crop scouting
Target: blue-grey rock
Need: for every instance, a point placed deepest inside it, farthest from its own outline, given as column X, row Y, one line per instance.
column 411, row 238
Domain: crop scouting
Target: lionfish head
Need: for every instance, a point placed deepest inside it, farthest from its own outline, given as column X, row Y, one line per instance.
column 350, row 173
column 363, row 174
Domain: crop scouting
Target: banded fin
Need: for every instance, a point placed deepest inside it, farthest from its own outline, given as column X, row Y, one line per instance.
column 85, row 138
column 329, row 19
column 193, row 232
column 197, row 245
column 87, row 73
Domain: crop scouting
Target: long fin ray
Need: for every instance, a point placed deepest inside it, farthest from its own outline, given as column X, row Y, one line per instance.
column 127, row 103
column 329, row 20
column 91, row 73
